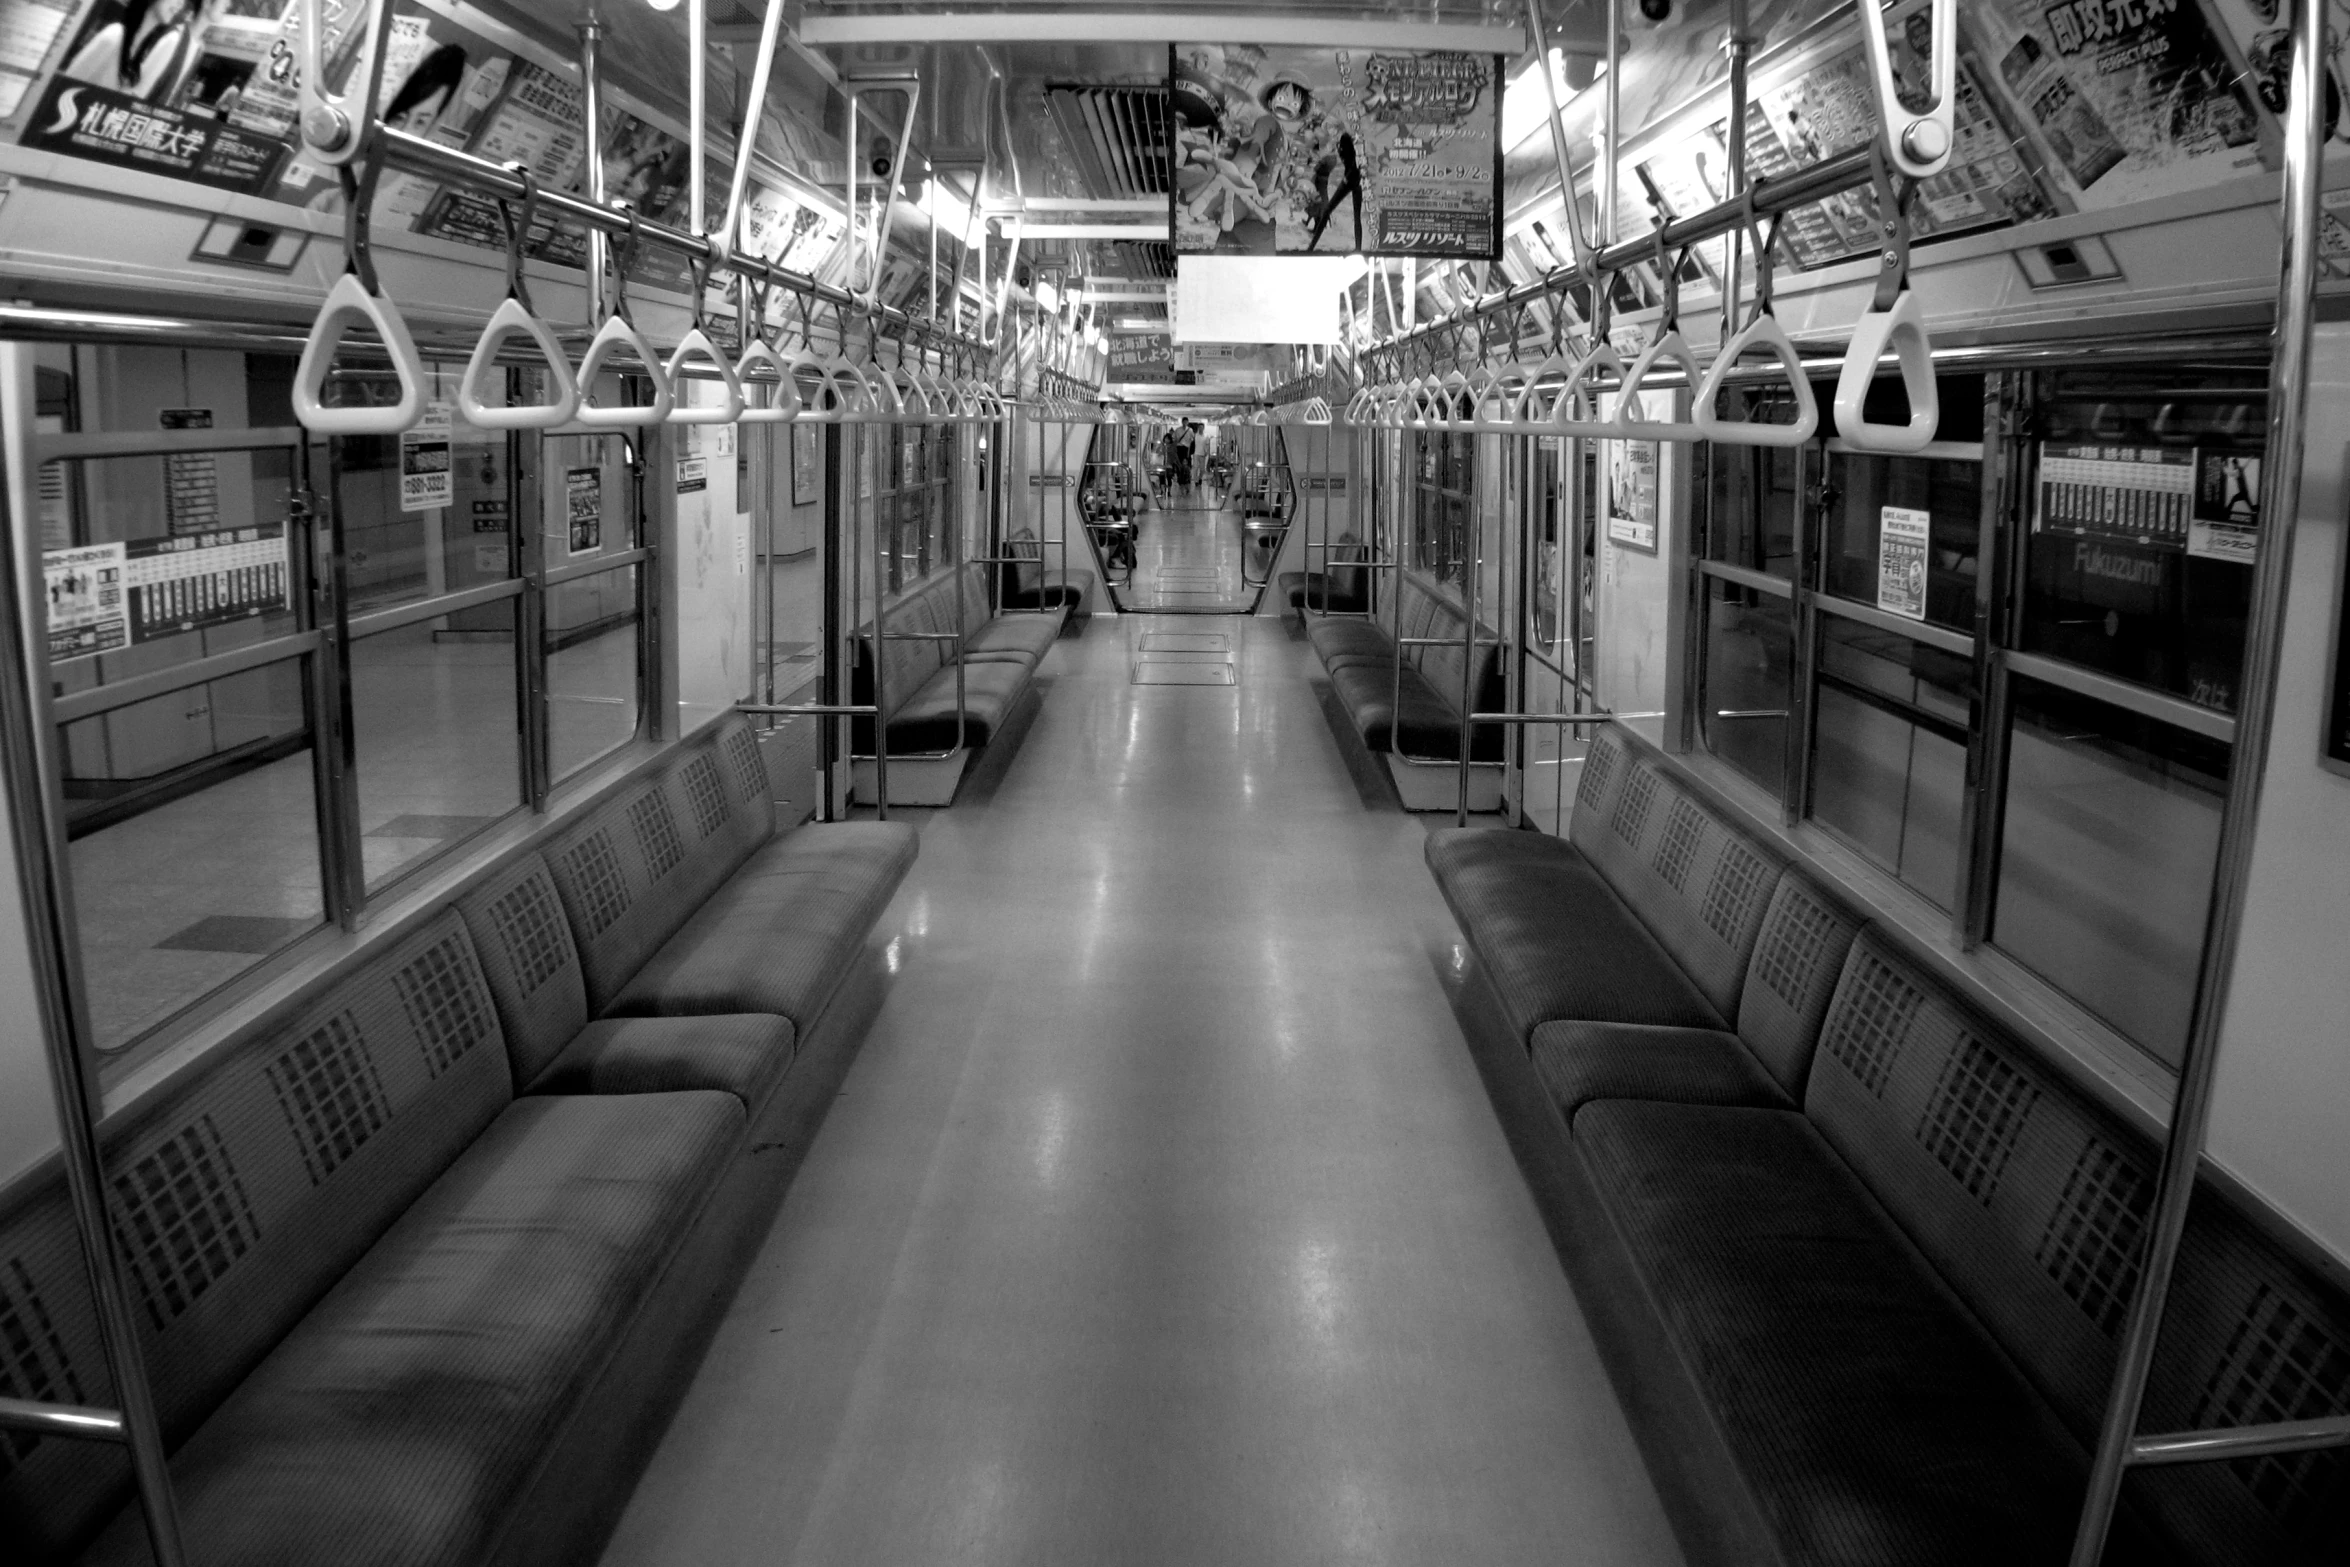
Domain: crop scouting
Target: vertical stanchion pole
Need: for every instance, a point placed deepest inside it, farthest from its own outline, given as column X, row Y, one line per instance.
column 871, row 518
column 2288, row 383
column 36, row 818
column 591, row 110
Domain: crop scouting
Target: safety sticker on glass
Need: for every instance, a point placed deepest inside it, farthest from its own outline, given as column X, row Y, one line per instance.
column 1901, row 561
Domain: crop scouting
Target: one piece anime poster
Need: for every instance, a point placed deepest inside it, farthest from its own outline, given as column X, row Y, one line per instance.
column 1292, row 151
column 2132, row 99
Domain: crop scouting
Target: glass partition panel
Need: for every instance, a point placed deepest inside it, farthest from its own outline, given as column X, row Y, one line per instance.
column 1745, row 680
column 434, row 723
column 1889, row 754
column 1747, row 497
column 593, row 671
column 2110, row 841
column 180, row 889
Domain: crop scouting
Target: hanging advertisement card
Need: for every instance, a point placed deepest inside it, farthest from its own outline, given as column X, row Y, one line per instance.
column 1632, row 479
column 583, row 509
column 1145, row 358
column 87, row 610
column 1901, row 561
column 107, row 126
column 1292, row 150
column 427, row 478
column 2132, row 98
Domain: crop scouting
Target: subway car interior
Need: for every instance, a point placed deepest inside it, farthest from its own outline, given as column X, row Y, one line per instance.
column 1274, row 782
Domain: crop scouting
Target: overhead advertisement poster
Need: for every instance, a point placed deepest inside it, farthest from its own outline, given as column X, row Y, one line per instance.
column 2134, row 99
column 1145, row 357
column 1293, row 150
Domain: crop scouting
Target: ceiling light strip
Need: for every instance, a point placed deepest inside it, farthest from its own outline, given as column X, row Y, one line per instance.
column 1153, row 27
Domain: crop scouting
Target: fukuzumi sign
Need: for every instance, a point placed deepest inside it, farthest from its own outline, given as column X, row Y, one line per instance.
column 1293, row 151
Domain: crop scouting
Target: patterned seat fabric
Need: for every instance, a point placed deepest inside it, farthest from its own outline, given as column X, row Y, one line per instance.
column 920, row 671
column 242, row 1194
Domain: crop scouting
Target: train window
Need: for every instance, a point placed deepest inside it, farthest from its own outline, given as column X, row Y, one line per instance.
column 1443, row 484
column 1748, row 658
column 1749, row 496
column 1900, row 533
column 2141, row 523
column 1889, row 751
column 2110, row 840
column 436, row 745
column 589, row 491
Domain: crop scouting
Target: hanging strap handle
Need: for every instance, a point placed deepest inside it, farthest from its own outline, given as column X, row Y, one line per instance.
column 782, row 403
column 619, row 332
column 515, row 315
column 1762, row 332
column 357, row 300
column 1919, row 141
column 1893, row 320
column 697, row 342
column 1665, row 342
column 337, row 127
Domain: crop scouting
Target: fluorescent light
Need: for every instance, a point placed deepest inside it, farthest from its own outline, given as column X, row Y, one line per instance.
column 1046, row 295
column 949, row 213
column 1522, row 107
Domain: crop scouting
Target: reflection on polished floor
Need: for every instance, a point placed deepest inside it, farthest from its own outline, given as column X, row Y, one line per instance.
column 1188, row 557
column 1163, row 1217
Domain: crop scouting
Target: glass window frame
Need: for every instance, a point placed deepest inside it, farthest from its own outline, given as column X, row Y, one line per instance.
column 1993, row 646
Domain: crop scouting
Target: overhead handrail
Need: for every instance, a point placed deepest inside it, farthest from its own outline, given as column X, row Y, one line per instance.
column 616, row 333
column 515, row 315
column 1762, row 332
column 1664, row 342
column 357, row 299
column 782, row 404
column 1530, row 409
column 1893, row 320
column 697, row 341
column 1921, row 147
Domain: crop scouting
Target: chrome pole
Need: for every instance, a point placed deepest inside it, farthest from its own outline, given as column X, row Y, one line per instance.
column 591, row 114
column 36, row 818
column 697, row 113
column 1603, row 222
column 2272, row 575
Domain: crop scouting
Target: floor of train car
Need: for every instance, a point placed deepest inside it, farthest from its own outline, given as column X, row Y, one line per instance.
column 1187, row 557
column 1163, row 1216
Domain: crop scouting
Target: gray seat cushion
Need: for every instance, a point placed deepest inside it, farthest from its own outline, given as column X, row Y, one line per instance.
column 744, row 1055
column 1581, row 1062
column 779, row 937
column 924, row 720
column 1024, row 637
column 1339, row 642
column 392, row 1425
column 1553, row 936
column 1875, row 1422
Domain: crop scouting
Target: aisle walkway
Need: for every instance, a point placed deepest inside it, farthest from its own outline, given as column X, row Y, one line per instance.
column 1163, row 1218
column 1187, row 557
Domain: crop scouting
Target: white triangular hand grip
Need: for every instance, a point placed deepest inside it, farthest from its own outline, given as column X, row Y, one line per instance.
column 349, row 304
column 882, row 404
column 783, row 399
column 804, row 373
column 1317, row 412
column 615, row 334
column 509, row 318
column 1582, row 389
column 1629, row 424
column 1534, row 405
column 1762, row 332
column 1903, row 328
column 729, row 408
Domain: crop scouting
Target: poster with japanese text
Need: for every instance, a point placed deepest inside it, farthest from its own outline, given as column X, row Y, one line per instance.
column 2132, row 99
column 1294, row 150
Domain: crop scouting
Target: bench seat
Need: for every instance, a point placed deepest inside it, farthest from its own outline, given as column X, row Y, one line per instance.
column 393, row 1424
column 1025, row 637
column 1339, row 642
column 746, row 1056
column 1580, row 1062
column 924, row 720
column 1872, row 1420
column 1554, row 938
column 776, row 941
